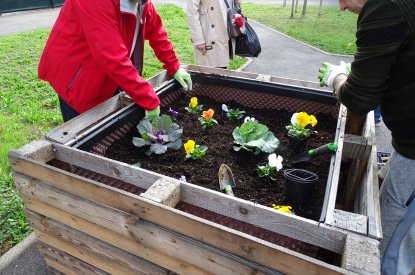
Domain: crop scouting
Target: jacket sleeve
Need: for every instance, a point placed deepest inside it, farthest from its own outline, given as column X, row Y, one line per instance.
column 159, row 41
column 193, row 18
column 379, row 36
column 99, row 22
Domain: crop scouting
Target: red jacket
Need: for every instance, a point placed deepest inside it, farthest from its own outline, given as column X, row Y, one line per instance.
column 87, row 54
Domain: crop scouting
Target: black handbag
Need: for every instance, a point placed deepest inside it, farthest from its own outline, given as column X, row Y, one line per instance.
column 248, row 45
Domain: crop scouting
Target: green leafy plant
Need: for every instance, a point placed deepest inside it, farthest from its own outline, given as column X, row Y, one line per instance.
column 207, row 119
column 254, row 137
column 271, row 168
column 233, row 114
column 300, row 125
column 193, row 150
column 160, row 134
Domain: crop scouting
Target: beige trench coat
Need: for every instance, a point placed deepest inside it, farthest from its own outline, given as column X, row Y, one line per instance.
column 207, row 24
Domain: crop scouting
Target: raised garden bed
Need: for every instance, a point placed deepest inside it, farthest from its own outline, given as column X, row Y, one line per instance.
column 130, row 219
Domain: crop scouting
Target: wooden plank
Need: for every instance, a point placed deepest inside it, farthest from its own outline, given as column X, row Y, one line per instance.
column 358, row 168
column 329, row 204
column 127, row 243
column 100, row 251
column 354, row 146
column 229, row 240
column 361, row 255
column 40, row 150
column 165, row 191
column 350, row 221
column 91, row 119
column 72, row 265
column 61, row 268
column 265, row 217
column 128, row 173
column 146, row 233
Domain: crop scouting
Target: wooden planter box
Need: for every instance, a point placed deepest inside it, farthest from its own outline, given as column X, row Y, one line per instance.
column 96, row 215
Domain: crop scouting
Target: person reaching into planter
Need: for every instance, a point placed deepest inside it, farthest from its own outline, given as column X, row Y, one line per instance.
column 208, row 27
column 96, row 48
column 382, row 73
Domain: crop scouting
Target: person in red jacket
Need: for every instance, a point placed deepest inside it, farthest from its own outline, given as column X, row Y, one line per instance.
column 96, row 48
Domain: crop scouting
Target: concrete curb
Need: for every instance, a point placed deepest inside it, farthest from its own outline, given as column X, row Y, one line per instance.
column 16, row 251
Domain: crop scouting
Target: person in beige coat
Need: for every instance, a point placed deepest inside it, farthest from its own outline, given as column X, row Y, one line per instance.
column 209, row 34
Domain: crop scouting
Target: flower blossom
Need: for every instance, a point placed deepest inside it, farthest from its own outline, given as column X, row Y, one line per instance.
column 246, row 119
column 172, row 112
column 193, row 102
column 208, row 114
column 275, row 161
column 189, row 146
column 225, row 108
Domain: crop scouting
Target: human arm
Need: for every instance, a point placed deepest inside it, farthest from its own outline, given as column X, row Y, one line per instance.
column 195, row 26
column 99, row 21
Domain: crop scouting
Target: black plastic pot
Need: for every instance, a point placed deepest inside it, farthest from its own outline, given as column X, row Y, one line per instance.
column 299, row 185
column 297, row 145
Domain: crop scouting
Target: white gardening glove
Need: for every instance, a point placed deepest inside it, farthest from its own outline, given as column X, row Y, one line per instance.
column 329, row 72
column 184, row 79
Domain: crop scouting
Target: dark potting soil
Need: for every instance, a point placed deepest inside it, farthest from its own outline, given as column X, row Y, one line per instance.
column 219, row 140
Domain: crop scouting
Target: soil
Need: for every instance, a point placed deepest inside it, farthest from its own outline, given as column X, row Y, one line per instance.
column 4, row 247
column 219, row 140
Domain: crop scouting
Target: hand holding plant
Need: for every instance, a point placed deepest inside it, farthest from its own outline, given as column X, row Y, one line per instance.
column 299, row 123
column 207, row 118
column 271, row 168
column 193, row 150
column 233, row 114
column 194, row 106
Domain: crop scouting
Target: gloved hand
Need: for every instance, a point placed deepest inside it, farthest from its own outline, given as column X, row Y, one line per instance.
column 184, row 79
column 329, row 72
column 153, row 114
column 239, row 21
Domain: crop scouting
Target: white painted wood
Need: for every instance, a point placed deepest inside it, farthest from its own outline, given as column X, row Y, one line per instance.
column 350, row 221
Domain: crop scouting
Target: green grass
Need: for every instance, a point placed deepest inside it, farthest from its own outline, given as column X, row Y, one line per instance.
column 29, row 107
column 333, row 31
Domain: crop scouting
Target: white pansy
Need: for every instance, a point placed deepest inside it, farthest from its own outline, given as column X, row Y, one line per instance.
column 275, row 161
column 183, row 178
column 294, row 119
column 250, row 119
column 225, row 108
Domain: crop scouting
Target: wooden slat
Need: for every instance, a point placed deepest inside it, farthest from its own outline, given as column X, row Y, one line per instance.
column 77, row 127
column 127, row 243
column 350, row 221
column 327, row 213
column 357, row 169
column 111, row 168
column 165, row 191
column 361, row 255
column 100, row 253
column 265, row 217
column 142, row 231
column 59, row 267
column 71, row 264
column 229, row 240
column 40, row 150
column 354, row 146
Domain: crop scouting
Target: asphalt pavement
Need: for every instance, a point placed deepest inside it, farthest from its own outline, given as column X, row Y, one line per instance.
column 281, row 56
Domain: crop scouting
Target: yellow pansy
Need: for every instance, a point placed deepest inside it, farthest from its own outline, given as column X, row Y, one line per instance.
column 189, row 146
column 303, row 119
column 193, row 102
column 313, row 120
column 283, row 208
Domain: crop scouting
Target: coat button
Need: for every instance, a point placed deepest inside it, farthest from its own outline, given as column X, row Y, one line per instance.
column 212, row 8
column 212, row 26
column 213, row 43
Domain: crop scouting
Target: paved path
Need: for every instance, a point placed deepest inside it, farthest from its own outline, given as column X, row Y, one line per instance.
column 281, row 56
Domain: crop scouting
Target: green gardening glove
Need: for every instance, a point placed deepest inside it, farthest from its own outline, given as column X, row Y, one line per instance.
column 153, row 114
column 184, row 79
column 329, row 72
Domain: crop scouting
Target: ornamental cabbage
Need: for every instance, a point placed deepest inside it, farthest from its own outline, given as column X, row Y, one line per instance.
column 162, row 133
column 254, row 137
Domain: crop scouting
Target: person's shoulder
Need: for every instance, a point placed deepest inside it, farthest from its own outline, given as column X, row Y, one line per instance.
column 378, row 10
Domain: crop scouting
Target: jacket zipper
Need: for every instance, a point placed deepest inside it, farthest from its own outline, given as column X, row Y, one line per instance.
column 76, row 76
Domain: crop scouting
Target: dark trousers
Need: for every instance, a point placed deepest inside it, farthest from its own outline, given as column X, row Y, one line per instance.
column 67, row 111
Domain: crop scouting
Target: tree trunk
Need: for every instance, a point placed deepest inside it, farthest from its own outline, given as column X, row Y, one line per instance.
column 304, row 7
column 296, row 5
column 319, row 8
column 284, row 3
column 292, row 8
